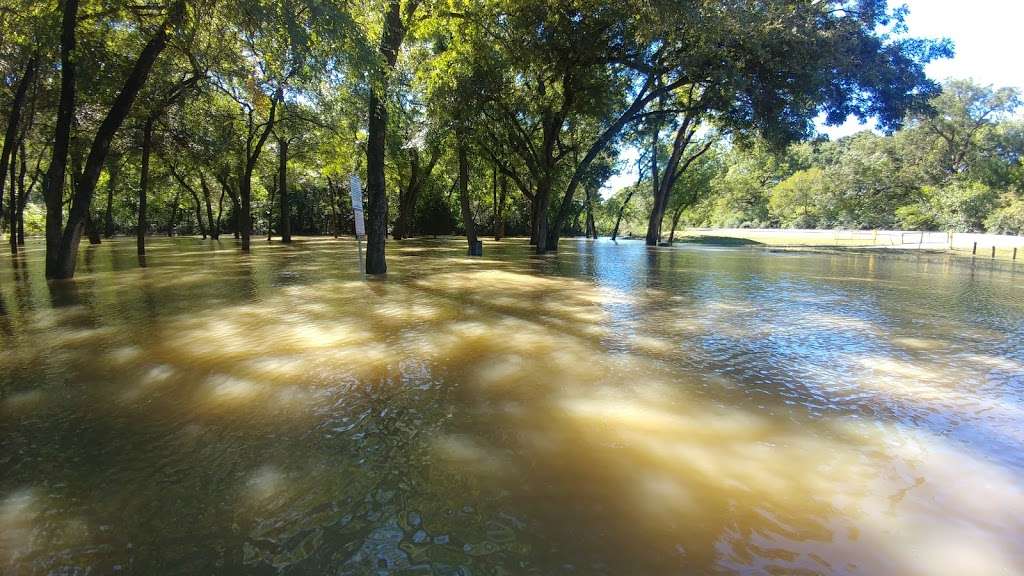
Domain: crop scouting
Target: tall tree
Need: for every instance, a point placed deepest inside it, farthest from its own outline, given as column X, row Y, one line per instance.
column 396, row 25
column 62, row 243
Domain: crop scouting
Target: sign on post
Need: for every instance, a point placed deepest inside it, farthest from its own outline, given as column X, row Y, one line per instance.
column 355, row 190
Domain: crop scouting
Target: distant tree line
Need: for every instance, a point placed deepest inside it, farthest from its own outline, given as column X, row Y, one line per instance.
column 959, row 168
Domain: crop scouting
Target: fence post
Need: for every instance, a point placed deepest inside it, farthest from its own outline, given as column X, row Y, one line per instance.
column 993, row 252
column 1014, row 252
column 974, row 250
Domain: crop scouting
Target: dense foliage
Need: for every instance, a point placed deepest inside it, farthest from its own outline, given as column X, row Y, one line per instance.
column 478, row 117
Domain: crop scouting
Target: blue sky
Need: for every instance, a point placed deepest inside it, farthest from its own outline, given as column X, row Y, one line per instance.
column 989, row 39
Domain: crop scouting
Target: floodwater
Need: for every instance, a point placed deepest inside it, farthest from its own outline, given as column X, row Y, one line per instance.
column 612, row 410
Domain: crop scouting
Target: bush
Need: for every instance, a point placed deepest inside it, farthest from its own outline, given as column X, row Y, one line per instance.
column 916, row 217
column 1008, row 219
column 35, row 220
column 962, row 206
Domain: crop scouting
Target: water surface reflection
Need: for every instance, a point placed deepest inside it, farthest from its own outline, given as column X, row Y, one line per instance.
column 609, row 410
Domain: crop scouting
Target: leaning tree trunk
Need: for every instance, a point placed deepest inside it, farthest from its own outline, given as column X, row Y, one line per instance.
column 67, row 250
column 282, row 189
column 675, row 222
column 141, row 224
column 622, row 209
column 11, row 140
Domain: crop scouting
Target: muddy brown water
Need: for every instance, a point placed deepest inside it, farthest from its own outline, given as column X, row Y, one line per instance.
column 610, row 410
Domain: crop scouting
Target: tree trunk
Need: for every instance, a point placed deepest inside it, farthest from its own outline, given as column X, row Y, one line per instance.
column 675, row 222
column 270, row 213
column 91, row 230
column 654, row 232
column 114, row 171
column 502, row 195
column 673, row 169
column 376, row 195
column 245, row 186
column 220, row 213
column 214, row 227
column 591, row 227
column 467, row 212
column 282, row 189
column 23, row 193
column 542, row 201
column 12, row 205
column 54, row 180
column 199, row 212
column 10, row 151
column 534, row 225
column 141, row 224
column 175, row 209
column 236, row 216
column 67, row 251
column 622, row 209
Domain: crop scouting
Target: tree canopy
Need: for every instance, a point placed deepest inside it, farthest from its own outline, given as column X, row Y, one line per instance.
column 211, row 116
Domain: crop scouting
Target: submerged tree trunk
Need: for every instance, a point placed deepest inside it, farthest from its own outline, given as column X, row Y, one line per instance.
column 407, row 198
column 10, row 151
column 674, row 168
column 591, row 227
column 376, row 195
column 175, row 209
column 141, row 224
column 270, row 213
column 622, row 209
column 220, row 212
column 12, row 207
column 23, row 192
column 199, row 213
column 675, row 222
column 655, row 183
column 252, row 154
column 67, row 250
column 114, row 171
column 282, row 189
column 91, row 230
column 53, row 183
column 467, row 212
column 214, row 226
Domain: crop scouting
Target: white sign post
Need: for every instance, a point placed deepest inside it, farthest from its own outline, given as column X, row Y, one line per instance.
column 355, row 190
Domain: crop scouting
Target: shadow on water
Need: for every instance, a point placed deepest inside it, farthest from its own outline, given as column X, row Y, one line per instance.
column 718, row 241
column 609, row 410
